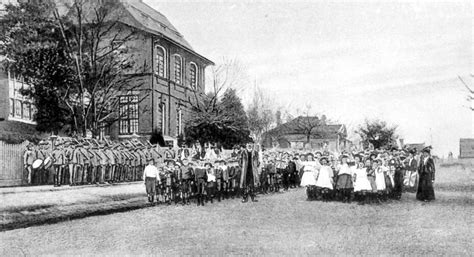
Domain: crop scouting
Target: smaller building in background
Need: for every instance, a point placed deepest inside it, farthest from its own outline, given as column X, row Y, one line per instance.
column 466, row 148
column 418, row 146
column 294, row 134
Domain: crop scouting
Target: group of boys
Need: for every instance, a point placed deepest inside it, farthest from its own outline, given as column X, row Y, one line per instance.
column 79, row 163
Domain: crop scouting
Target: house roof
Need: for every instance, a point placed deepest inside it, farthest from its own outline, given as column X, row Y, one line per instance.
column 301, row 124
column 417, row 146
column 139, row 15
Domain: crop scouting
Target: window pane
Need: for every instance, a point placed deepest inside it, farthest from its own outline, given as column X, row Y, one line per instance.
column 12, row 107
column 134, row 126
column 160, row 61
column 192, row 74
column 18, row 108
column 26, row 111
column 177, row 69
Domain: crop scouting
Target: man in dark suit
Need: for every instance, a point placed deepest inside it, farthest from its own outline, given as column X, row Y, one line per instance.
column 426, row 171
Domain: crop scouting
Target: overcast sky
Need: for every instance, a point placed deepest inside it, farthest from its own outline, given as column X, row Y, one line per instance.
column 397, row 61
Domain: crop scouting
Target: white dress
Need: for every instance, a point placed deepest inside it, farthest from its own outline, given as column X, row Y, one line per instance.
column 361, row 180
column 325, row 177
column 380, row 179
column 310, row 173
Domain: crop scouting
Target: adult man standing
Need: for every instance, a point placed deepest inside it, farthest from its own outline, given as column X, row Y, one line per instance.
column 426, row 171
column 249, row 176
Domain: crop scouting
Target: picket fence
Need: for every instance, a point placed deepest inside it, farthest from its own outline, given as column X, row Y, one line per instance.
column 11, row 164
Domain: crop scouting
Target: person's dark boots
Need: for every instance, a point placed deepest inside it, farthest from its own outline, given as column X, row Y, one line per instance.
column 253, row 198
column 245, row 199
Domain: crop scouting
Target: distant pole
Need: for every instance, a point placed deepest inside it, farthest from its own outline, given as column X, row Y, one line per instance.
column 471, row 98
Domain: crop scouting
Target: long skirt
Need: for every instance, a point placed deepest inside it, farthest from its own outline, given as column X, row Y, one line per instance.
column 344, row 181
column 362, row 184
column 150, row 184
column 388, row 182
column 373, row 185
column 425, row 188
column 410, row 181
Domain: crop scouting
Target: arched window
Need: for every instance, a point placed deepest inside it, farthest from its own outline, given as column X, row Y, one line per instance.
column 193, row 75
column 178, row 66
column 160, row 61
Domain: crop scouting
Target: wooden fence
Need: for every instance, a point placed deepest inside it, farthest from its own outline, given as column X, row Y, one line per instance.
column 11, row 164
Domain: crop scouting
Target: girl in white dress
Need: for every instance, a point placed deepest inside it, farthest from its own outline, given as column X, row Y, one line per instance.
column 324, row 183
column 308, row 180
column 361, row 183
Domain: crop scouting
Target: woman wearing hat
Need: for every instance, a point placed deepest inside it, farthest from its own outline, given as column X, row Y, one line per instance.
column 426, row 172
column 344, row 185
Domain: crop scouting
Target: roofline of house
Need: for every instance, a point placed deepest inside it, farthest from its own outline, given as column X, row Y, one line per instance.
column 209, row 62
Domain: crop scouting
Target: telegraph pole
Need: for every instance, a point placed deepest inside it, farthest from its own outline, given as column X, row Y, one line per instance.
column 471, row 100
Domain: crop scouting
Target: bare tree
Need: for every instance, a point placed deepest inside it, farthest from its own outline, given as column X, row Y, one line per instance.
column 260, row 113
column 228, row 73
column 98, row 42
column 307, row 123
column 470, row 97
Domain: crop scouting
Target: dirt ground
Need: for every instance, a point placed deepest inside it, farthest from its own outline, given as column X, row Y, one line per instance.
column 281, row 224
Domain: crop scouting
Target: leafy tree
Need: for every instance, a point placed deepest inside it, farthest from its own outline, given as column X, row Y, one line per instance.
column 232, row 106
column 377, row 133
column 218, row 116
column 33, row 49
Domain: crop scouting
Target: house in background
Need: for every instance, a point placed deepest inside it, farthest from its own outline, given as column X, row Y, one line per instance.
column 16, row 110
column 466, row 148
column 294, row 134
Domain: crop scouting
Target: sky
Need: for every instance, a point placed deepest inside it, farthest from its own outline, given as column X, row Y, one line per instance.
column 398, row 61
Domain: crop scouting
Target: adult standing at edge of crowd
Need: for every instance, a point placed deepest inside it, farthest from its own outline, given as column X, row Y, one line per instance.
column 426, row 171
column 249, row 176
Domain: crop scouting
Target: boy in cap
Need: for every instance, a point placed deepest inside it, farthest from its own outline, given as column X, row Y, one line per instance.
column 185, row 177
column 150, row 178
column 200, row 174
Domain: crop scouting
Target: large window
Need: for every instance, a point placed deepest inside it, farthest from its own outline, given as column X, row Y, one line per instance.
column 193, row 75
column 160, row 61
column 128, row 120
column 178, row 65
column 21, row 107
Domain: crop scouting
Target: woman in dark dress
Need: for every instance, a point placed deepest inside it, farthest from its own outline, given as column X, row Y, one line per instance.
column 426, row 172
